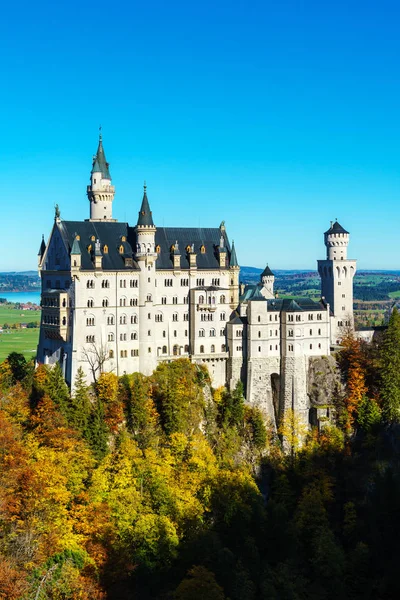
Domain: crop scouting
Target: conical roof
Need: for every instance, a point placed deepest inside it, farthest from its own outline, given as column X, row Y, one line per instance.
column 267, row 272
column 336, row 228
column 100, row 165
column 233, row 262
column 42, row 247
column 76, row 249
column 145, row 217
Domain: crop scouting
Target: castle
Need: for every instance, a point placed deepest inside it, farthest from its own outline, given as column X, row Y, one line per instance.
column 123, row 299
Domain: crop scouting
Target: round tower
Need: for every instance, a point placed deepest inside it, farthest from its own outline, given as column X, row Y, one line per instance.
column 100, row 191
column 336, row 242
column 267, row 280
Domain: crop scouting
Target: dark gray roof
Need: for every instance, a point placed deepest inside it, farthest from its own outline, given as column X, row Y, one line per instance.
column 100, row 165
column 267, row 272
column 294, row 304
column 233, row 261
column 76, row 249
column 166, row 237
column 145, row 216
column 336, row 228
column 237, row 319
column 109, row 233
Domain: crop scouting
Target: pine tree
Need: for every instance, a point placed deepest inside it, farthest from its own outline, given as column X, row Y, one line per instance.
column 80, row 404
column 58, row 391
column 97, row 432
column 390, row 370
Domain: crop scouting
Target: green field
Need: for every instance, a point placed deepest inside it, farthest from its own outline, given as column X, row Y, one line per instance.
column 19, row 340
column 10, row 315
column 395, row 294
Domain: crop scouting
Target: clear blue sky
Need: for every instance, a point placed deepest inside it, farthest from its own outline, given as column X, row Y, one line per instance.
column 276, row 116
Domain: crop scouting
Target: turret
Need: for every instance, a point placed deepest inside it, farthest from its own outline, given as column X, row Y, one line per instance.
column 336, row 242
column 100, row 191
column 76, row 255
column 176, row 256
column 145, row 228
column 233, row 278
column 267, row 280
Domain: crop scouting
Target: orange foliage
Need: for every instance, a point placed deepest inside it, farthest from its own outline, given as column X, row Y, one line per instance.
column 356, row 385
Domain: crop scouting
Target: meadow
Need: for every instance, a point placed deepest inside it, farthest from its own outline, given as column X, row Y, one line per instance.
column 18, row 340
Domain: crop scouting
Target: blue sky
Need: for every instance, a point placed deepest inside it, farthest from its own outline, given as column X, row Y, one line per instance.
column 274, row 116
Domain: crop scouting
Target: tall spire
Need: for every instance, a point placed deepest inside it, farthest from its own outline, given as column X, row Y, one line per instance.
column 233, row 260
column 100, row 164
column 145, row 217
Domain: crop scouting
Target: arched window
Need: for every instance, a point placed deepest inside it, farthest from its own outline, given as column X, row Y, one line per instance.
column 222, row 316
column 201, row 333
column 203, row 249
column 134, row 320
column 158, row 248
column 111, row 354
column 149, row 297
column 122, row 320
column 121, row 249
column 201, row 299
column 259, row 334
column 186, row 348
column 122, row 301
column 212, row 332
column 110, row 337
column 64, row 321
column 175, row 317
column 201, row 349
column 164, row 349
column 159, row 317
column 105, row 302
column 90, row 321
column 105, row 249
column 222, row 299
column 175, row 350
column 90, row 303
column 212, row 348
column 164, row 300
column 175, row 300
column 134, row 336
column 110, row 320
column 223, row 348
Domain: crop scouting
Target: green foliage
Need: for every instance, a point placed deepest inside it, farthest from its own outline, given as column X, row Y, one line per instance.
column 18, row 365
column 199, row 584
column 369, row 414
column 57, row 389
column 390, row 370
column 80, row 409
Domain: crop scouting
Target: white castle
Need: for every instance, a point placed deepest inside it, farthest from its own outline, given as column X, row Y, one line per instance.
column 123, row 299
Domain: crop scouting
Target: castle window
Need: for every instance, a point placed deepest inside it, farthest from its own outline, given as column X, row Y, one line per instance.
column 222, row 332
column 90, row 339
column 111, row 354
column 134, row 283
column 175, row 317
column 105, row 249
column 298, row 318
column 164, row 333
column 310, row 317
column 149, row 298
column 310, row 331
column 276, row 347
column 276, row 332
column 222, row 299
column 90, row 321
column 93, row 238
column 319, row 317
column 343, row 295
column 199, row 282
column 105, row 283
column 186, row 317
column 259, row 319
column 133, row 302
column 270, row 347
column 201, row 349
column 149, row 315
column 110, row 337
column 270, row 317
column 105, row 303
column 343, row 308
column 134, row 336
column 175, row 350
column 64, row 321
column 149, row 350
column 201, row 333
column 201, row 299
column 90, row 284
column 188, row 249
column 319, row 346
column 212, row 332
column 164, row 300
column 159, row 318
column 259, row 334
column 175, row 300
column 339, row 283
column 319, row 332
column 238, row 348
column 134, row 319
column 310, row 346
column 90, row 303
column 168, row 282
column 110, row 320
column 202, row 249
column 290, row 318
column 290, row 347
column 121, row 249
column 223, row 348
column 175, row 333
column 186, row 348
column 290, row 333
column 259, row 348
column 276, row 317
column 185, row 299
column 222, row 317
column 231, row 281
column 149, row 332
column 184, row 282
column 212, row 348
column 122, row 301
column 122, row 320
column 164, row 349
column 158, row 248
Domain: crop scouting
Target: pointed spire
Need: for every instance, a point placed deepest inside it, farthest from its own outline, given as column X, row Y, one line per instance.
column 100, row 164
column 76, row 249
column 233, row 260
column 267, row 272
column 145, row 217
column 42, row 247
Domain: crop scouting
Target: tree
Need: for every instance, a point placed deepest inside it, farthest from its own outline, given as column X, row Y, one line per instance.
column 96, row 355
column 352, row 359
column 292, row 430
column 390, row 369
column 80, row 403
column 57, row 389
column 17, row 362
column 199, row 584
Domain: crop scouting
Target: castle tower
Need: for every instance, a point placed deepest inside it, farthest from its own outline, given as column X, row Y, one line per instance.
column 146, row 257
column 267, row 280
column 337, row 273
column 100, row 191
column 234, row 271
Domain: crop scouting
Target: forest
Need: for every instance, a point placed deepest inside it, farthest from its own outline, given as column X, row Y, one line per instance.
column 161, row 487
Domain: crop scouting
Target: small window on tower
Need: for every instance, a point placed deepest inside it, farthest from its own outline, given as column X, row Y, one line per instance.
column 105, row 249
column 158, row 248
column 121, row 249
column 203, row 249
column 93, row 238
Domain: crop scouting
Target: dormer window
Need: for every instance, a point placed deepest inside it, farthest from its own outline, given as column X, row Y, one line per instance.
column 105, row 249
column 78, row 237
column 188, row 248
column 202, row 249
column 90, row 248
column 158, row 248
column 93, row 238
column 172, row 247
column 121, row 249
column 123, row 239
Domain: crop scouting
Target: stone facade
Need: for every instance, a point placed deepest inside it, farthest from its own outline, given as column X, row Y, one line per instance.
column 123, row 299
